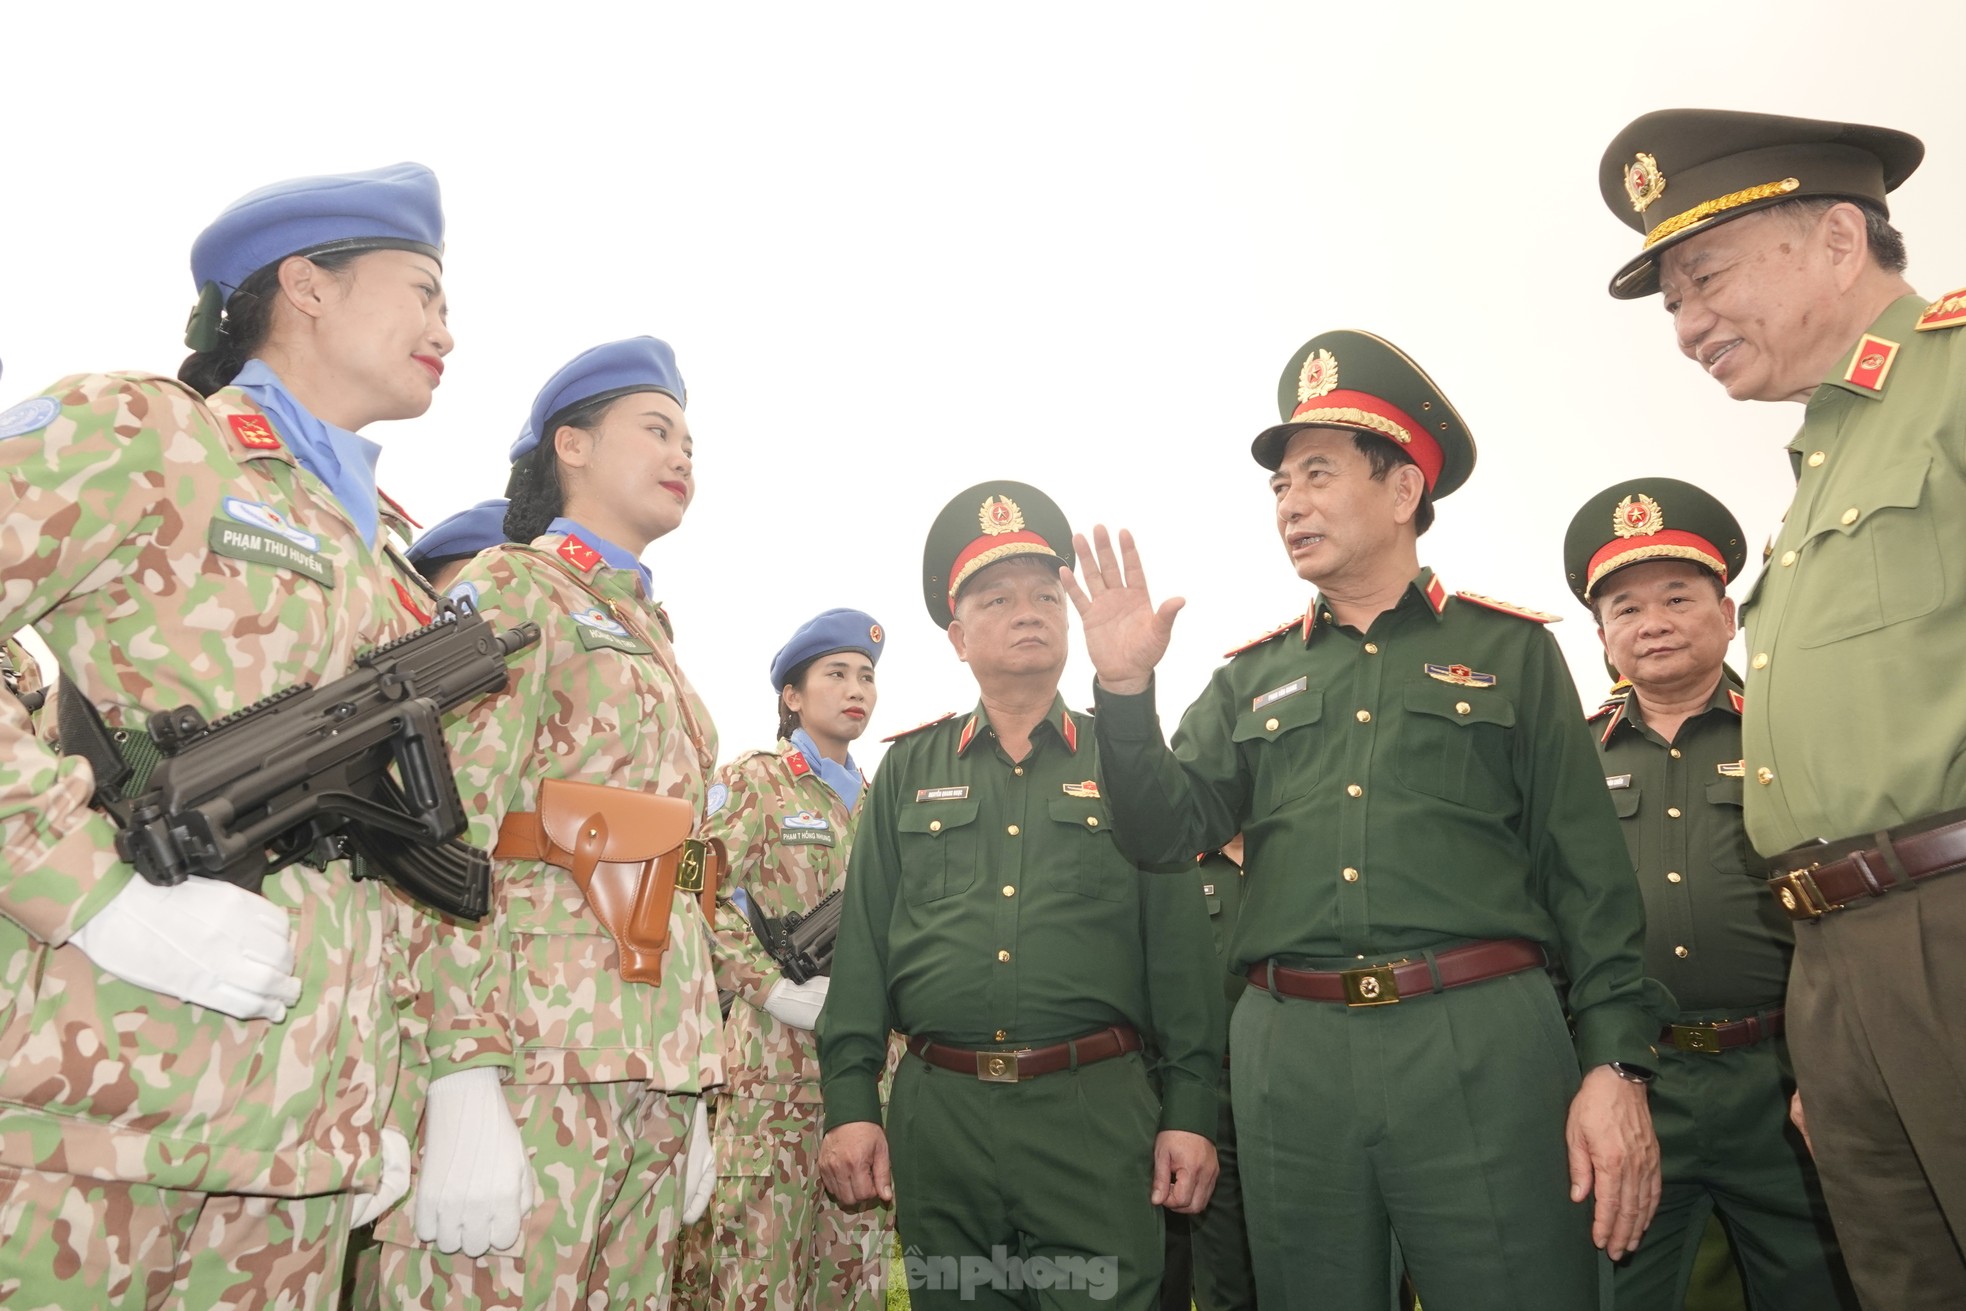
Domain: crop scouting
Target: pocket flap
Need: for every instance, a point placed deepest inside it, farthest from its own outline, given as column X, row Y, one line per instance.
column 1899, row 486
column 1294, row 711
column 1625, row 801
column 1725, row 792
column 936, row 817
column 1081, row 812
column 1462, row 705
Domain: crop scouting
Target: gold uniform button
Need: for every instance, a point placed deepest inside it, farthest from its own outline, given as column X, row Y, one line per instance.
column 1354, row 790
column 1760, row 660
column 1013, row 830
column 1017, row 770
column 1463, row 708
column 1003, row 957
column 1675, row 753
column 1092, row 821
column 1364, row 716
column 1009, row 890
column 935, row 826
column 1788, row 558
column 1816, row 459
column 1850, row 516
column 1673, row 877
column 1672, row 812
column 1764, row 776
column 1351, row 875
column 1372, row 648
column 1680, row 952
column 1003, row 1035
column 1270, row 725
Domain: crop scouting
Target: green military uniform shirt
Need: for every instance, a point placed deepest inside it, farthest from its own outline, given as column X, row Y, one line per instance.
column 987, row 905
column 1856, row 624
column 1422, row 784
column 1714, row 935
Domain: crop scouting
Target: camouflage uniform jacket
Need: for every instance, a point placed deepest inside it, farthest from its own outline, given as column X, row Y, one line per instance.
column 173, row 553
column 600, row 700
column 788, row 835
column 24, row 678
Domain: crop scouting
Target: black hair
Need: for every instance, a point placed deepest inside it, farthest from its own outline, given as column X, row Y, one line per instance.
column 247, row 319
column 538, row 496
column 1383, row 455
column 1887, row 244
column 788, row 718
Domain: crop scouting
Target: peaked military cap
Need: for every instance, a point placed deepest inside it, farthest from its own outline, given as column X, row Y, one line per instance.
column 1675, row 173
column 990, row 522
column 462, row 535
column 1347, row 379
column 600, row 373
column 1643, row 519
column 825, row 633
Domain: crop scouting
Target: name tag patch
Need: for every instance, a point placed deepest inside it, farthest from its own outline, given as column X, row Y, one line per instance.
column 1732, row 768
column 256, row 546
column 942, row 794
column 805, row 827
column 1292, row 688
column 1617, row 782
column 598, row 629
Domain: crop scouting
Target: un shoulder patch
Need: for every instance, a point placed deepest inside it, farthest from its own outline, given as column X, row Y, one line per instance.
column 28, row 416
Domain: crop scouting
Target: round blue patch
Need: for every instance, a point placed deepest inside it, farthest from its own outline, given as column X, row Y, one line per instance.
column 29, row 416
column 718, row 797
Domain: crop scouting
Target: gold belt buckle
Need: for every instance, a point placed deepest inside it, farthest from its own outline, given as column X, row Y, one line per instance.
column 1696, row 1038
column 689, row 866
column 998, row 1067
column 1799, row 895
column 1370, row 987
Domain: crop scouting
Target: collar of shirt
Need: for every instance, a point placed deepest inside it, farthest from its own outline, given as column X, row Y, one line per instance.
column 615, row 556
column 1726, row 698
column 844, row 779
column 1062, row 725
column 1424, row 592
column 339, row 458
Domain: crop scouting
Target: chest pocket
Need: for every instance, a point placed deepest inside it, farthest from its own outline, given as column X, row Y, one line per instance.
column 939, row 854
column 1087, row 860
column 1454, row 743
column 1729, row 849
column 1877, row 553
column 1284, row 762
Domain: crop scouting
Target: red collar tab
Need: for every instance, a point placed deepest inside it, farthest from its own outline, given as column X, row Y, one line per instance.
column 1736, row 700
column 1611, row 724
column 795, row 760
column 408, row 599
column 969, row 732
column 254, row 431
column 1871, row 362
column 1948, row 311
column 1071, row 731
column 579, row 554
column 1436, row 594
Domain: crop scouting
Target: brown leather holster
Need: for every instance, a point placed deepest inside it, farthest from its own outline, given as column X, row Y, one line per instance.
column 630, row 852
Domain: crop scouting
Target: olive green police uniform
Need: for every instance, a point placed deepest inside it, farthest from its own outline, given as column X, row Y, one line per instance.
column 1714, row 937
column 1219, row 1237
column 989, row 910
column 1855, row 710
column 1403, row 792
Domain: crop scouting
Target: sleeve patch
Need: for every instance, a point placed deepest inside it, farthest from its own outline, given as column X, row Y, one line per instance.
column 29, row 416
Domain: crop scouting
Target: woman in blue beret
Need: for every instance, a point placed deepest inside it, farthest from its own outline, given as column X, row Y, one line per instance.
column 774, row 1236
column 594, row 986
column 439, row 554
column 195, row 1079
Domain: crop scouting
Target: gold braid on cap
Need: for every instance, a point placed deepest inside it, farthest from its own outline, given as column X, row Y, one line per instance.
column 1706, row 209
column 1657, row 551
column 1358, row 419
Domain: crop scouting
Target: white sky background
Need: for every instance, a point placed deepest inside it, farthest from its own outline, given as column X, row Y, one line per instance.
column 903, row 248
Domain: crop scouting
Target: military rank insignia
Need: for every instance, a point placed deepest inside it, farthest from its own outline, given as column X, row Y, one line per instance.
column 1871, row 363
column 1948, row 311
column 1089, row 788
column 579, row 554
column 252, row 430
column 1460, row 676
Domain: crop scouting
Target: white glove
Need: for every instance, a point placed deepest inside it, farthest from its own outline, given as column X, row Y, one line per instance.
column 699, row 1168
column 390, row 1188
column 204, row 941
column 798, row 1004
column 476, row 1185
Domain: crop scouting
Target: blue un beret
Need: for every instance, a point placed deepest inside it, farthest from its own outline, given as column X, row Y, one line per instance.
column 393, row 208
column 465, row 533
column 825, row 633
column 619, row 368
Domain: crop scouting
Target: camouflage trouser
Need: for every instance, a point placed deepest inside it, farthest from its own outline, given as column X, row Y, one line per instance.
column 97, row 1243
column 774, row 1239
column 606, row 1158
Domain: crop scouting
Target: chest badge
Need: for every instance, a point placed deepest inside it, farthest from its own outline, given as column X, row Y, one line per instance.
column 805, row 827
column 1732, row 769
column 942, row 794
column 1089, row 788
column 1460, row 676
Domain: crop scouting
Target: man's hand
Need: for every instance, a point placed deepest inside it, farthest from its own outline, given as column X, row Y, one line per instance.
column 1614, row 1154
column 1125, row 636
column 1796, row 1119
column 853, row 1162
column 1184, row 1171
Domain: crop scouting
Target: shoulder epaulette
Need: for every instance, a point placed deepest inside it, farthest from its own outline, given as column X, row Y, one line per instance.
column 906, row 732
column 1510, row 608
column 395, row 507
column 1948, row 311
column 1614, row 700
column 1278, row 631
column 668, row 629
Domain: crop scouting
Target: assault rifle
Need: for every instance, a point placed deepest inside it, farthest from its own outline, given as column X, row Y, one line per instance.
column 355, row 767
column 801, row 942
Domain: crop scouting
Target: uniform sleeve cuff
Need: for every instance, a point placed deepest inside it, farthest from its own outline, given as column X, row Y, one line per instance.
column 1190, row 1107
column 852, row 1100
column 1126, row 718
column 1617, row 1033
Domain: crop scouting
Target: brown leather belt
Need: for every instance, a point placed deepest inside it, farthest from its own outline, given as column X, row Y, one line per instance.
column 1027, row 1062
column 1821, row 877
column 1383, row 985
column 1726, row 1035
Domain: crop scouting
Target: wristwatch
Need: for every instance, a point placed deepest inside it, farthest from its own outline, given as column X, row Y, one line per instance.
column 1637, row 1074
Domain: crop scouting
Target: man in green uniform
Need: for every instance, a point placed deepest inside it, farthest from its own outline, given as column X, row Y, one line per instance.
column 1045, row 983
column 1652, row 557
column 1769, row 240
column 1424, row 833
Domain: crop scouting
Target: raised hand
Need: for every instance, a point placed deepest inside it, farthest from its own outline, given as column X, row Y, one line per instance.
column 1125, row 635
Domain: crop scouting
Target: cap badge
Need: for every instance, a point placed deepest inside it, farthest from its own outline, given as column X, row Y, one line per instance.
column 1637, row 516
column 1644, row 183
column 874, row 634
column 999, row 515
column 1318, row 376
